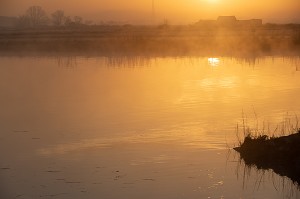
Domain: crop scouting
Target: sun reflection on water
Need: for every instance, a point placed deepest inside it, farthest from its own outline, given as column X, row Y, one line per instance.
column 213, row 61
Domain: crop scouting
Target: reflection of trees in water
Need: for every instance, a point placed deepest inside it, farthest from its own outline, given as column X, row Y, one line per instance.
column 296, row 62
column 293, row 61
column 127, row 61
column 134, row 61
column 253, row 59
column 254, row 177
column 249, row 60
column 69, row 61
column 112, row 61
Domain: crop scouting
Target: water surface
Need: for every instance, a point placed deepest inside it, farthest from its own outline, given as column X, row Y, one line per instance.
column 140, row 127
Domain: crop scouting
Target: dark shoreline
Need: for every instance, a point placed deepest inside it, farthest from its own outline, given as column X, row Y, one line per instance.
column 150, row 40
column 281, row 154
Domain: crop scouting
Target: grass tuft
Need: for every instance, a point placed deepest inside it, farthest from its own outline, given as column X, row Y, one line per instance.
column 280, row 152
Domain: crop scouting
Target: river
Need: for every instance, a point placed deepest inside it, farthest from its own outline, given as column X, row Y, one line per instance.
column 141, row 127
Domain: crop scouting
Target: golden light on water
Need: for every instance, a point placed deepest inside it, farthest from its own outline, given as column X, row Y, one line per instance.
column 213, row 61
column 146, row 99
column 130, row 123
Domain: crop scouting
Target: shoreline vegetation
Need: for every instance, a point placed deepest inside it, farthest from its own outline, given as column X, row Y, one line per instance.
column 281, row 154
column 163, row 40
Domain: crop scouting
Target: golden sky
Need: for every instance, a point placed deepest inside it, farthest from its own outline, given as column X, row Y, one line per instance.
column 175, row 11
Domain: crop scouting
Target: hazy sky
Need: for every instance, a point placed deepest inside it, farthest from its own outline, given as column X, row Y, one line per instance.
column 175, row 11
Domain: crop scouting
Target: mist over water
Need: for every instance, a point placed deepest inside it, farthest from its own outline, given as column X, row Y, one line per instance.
column 140, row 126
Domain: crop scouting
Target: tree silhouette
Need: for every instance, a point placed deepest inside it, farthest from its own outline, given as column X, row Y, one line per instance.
column 77, row 20
column 58, row 18
column 36, row 16
column 68, row 21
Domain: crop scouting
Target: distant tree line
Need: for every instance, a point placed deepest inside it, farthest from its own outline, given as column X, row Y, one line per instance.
column 36, row 16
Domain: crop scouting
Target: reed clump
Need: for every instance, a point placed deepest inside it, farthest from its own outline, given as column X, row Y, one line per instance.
column 279, row 153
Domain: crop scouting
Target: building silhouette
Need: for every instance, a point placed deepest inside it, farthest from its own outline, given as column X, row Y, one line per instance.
column 230, row 21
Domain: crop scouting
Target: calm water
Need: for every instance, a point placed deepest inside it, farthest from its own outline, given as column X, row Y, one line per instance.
column 140, row 127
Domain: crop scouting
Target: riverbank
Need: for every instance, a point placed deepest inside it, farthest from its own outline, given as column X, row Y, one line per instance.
column 151, row 40
column 281, row 154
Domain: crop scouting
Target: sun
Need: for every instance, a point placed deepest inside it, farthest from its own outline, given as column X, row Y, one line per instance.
column 211, row 1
